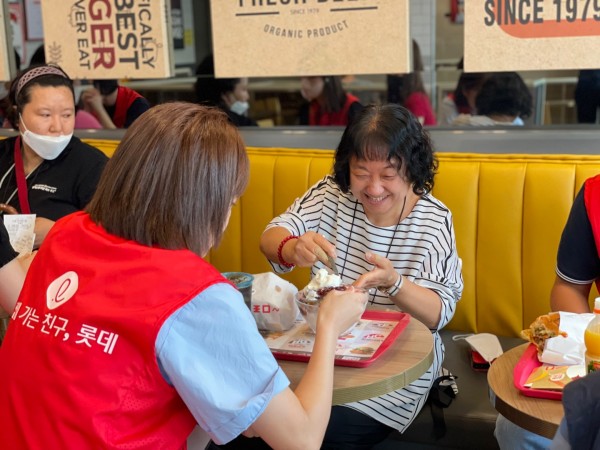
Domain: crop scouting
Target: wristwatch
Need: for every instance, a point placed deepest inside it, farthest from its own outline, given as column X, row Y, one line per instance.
column 394, row 288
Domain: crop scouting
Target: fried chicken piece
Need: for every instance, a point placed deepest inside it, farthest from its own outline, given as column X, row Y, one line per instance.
column 543, row 328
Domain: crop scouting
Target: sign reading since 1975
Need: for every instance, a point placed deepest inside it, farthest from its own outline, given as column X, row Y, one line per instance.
column 310, row 37
column 531, row 34
column 109, row 38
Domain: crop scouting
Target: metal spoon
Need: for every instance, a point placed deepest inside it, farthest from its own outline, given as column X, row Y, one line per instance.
column 325, row 257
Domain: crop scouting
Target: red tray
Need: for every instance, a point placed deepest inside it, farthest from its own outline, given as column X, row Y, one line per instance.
column 400, row 321
column 526, row 364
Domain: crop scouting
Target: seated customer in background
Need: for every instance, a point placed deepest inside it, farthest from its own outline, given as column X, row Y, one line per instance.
column 328, row 103
column 229, row 94
column 462, row 100
column 113, row 105
column 587, row 96
column 577, row 268
column 59, row 173
column 146, row 338
column 409, row 91
column 503, row 99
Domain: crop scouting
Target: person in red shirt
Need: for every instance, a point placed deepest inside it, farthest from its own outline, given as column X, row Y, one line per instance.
column 113, row 105
column 409, row 91
column 328, row 103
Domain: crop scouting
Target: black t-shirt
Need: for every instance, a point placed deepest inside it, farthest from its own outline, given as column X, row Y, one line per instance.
column 578, row 260
column 57, row 187
column 240, row 121
column 7, row 253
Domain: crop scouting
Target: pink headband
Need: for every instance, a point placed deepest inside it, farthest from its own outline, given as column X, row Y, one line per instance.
column 38, row 72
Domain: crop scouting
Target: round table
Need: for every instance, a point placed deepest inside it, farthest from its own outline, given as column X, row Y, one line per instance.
column 538, row 415
column 407, row 359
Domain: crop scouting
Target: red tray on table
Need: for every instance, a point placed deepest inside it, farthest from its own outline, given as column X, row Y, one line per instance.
column 366, row 342
column 527, row 364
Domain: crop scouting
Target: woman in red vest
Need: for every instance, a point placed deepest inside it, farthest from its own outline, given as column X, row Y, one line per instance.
column 328, row 103
column 125, row 337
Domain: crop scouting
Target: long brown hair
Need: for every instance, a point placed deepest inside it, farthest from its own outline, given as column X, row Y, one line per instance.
column 173, row 179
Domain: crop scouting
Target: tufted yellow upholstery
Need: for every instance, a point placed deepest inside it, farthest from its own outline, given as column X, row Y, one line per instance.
column 108, row 146
column 509, row 211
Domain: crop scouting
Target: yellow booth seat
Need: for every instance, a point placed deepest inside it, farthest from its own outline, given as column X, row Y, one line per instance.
column 509, row 211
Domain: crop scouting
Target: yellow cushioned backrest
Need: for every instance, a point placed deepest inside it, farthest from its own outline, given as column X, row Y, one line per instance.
column 106, row 146
column 508, row 210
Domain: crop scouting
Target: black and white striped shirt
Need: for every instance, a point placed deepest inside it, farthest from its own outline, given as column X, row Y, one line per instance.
column 422, row 247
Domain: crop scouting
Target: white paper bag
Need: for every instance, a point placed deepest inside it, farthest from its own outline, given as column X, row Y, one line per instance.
column 273, row 302
column 564, row 351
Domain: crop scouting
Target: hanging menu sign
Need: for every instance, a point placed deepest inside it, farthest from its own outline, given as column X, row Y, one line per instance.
column 7, row 53
column 108, row 39
column 531, row 35
column 260, row 38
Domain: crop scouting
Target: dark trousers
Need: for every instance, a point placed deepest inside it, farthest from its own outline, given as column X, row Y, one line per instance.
column 348, row 429
column 587, row 96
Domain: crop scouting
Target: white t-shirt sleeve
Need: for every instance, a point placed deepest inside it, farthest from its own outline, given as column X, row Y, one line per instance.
column 212, row 353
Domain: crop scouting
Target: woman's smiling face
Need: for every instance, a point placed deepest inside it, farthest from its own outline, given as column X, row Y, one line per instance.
column 380, row 187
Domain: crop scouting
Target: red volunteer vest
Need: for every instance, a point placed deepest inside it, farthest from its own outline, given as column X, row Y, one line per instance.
column 125, row 97
column 78, row 368
column 591, row 197
column 318, row 117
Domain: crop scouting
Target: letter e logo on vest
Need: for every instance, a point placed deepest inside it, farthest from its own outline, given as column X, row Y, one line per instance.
column 62, row 289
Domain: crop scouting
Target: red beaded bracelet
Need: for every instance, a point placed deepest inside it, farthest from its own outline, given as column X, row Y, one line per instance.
column 282, row 261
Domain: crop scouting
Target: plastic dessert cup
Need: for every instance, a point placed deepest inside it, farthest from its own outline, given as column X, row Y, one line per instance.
column 243, row 281
column 310, row 310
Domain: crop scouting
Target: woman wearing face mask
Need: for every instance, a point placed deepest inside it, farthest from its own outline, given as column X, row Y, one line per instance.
column 229, row 94
column 328, row 103
column 45, row 170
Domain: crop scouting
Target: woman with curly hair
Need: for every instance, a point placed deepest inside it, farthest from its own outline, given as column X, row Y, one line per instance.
column 376, row 217
column 503, row 99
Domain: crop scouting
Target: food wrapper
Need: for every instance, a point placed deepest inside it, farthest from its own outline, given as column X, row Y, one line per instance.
column 555, row 378
column 273, row 304
column 570, row 349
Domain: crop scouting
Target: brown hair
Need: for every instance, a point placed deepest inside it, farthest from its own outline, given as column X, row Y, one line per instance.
column 173, row 179
column 334, row 95
column 400, row 87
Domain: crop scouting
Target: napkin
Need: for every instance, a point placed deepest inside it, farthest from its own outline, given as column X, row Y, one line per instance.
column 567, row 350
column 21, row 233
column 486, row 344
column 273, row 304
